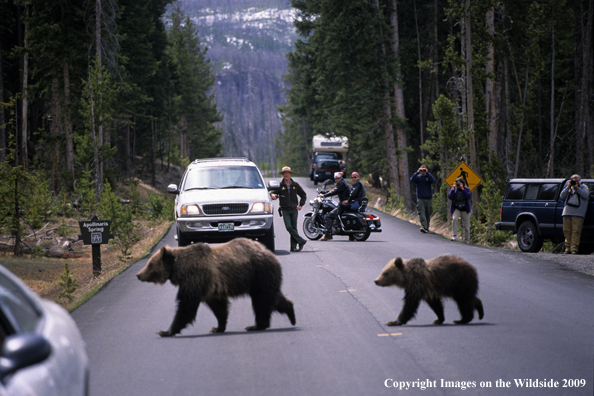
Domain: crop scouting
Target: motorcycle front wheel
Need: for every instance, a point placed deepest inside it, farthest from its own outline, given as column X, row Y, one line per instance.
column 310, row 231
column 361, row 236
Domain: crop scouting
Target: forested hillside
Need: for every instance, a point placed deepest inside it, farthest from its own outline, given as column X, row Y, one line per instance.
column 93, row 89
column 504, row 85
column 248, row 41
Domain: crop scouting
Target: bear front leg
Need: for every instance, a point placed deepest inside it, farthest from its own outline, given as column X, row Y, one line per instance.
column 187, row 308
column 220, row 308
column 437, row 306
column 409, row 310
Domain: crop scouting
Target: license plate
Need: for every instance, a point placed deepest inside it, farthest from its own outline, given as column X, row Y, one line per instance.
column 224, row 227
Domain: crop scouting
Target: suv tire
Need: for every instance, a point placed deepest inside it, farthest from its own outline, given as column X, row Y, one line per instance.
column 182, row 240
column 268, row 239
column 528, row 238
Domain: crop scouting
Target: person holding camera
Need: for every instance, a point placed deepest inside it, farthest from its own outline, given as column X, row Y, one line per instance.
column 575, row 196
column 460, row 208
column 423, row 179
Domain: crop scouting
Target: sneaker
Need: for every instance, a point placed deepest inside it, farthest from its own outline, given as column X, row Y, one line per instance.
column 566, row 252
column 454, row 238
column 326, row 238
column 574, row 252
column 423, row 230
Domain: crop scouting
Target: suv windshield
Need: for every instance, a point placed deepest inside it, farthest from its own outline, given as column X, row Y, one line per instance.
column 216, row 177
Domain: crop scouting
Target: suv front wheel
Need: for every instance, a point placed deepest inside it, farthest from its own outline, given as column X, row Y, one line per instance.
column 528, row 238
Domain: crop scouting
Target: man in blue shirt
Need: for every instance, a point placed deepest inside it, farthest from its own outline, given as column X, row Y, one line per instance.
column 423, row 179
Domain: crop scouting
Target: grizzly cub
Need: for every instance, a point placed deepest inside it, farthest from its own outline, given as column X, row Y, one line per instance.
column 213, row 274
column 443, row 276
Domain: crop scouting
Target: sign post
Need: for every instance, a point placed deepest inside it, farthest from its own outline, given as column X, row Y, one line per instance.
column 470, row 177
column 95, row 232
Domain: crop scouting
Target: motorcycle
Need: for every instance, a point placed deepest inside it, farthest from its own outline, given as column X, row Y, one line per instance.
column 358, row 225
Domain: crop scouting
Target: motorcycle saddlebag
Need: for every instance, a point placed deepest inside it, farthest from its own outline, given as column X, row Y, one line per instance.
column 353, row 221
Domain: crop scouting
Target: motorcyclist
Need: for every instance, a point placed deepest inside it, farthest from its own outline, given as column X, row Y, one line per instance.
column 343, row 190
column 357, row 194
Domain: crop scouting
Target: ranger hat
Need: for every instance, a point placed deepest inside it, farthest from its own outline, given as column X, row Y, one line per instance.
column 286, row 169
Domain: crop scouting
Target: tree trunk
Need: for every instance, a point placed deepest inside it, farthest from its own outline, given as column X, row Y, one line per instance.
column 584, row 143
column 2, row 119
column 400, row 113
column 99, row 134
column 490, row 95
column 25, row 106
column 551, row 163
column 387, row 111
column 67, row 123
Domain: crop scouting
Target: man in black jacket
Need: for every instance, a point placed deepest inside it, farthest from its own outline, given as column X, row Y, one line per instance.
column 290, row 206
column 343, row 190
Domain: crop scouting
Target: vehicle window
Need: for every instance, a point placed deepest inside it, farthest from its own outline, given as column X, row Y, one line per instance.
column 16, row 308
column 223, row 177
column 516, row 191
column 548, row 192
column 531, row 192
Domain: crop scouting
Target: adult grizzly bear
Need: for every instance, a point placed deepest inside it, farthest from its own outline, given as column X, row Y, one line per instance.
column 443, row 276
column 213, row 274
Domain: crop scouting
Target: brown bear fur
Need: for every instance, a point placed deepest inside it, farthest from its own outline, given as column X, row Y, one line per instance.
column 443, row 276
column 212, row 274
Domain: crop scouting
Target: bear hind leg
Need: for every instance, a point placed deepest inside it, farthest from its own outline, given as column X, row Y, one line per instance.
column 263, row 306
column 285, row 306
column 220, row 308
column 478, row 305
column 437, row 306
column 466, row 308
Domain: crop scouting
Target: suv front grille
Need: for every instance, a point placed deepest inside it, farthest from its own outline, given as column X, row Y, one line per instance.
column 225, row 209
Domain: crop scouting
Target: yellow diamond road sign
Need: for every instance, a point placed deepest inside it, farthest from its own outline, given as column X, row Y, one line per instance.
column 464, row 171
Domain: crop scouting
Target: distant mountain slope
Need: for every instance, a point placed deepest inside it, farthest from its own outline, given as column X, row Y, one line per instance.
column 248, row 41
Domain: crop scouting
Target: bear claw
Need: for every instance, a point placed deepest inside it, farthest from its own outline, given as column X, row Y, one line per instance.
column 216, row 330
column 395, row 323
column 167, row 333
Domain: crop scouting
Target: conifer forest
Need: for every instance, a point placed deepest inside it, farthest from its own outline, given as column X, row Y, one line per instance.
column 92, row 90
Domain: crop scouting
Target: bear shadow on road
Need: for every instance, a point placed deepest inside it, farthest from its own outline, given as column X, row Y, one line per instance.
column 235, row 333
column 449, row 325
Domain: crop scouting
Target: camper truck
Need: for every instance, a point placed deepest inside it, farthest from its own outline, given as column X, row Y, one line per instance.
column 328, row 148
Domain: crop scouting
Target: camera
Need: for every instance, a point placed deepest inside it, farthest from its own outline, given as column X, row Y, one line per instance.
column 458, row 185
column 573, row 182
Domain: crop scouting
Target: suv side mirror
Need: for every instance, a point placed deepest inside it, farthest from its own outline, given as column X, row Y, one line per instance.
column 172, row 189
column 273, row 186
column 22, row 350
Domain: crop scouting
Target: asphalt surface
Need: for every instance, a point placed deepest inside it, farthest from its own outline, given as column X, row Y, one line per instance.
column 538, row 327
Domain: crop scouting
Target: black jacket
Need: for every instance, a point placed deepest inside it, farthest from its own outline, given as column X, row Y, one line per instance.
column 342, row 189
column 357, row 192
column 288, row 199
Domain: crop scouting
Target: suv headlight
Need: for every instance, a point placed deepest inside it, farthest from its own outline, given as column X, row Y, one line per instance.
column 261, row 207
column 189, row 210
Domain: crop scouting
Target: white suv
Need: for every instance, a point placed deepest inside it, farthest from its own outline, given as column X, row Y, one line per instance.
column 223, row 198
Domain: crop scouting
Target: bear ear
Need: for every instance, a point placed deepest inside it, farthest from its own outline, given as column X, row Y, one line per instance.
column 398, row 263
column 168, row 256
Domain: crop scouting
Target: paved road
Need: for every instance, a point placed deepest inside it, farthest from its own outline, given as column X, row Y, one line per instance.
column 538, row 325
